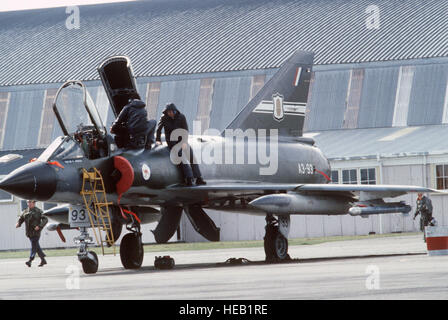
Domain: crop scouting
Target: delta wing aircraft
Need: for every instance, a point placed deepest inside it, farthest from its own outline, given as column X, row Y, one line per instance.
column 104, row 188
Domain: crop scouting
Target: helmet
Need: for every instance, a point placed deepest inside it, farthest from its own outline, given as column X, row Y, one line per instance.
column 433, row 222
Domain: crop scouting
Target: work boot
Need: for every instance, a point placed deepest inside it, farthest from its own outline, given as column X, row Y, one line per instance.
column 28, row 263
column 200, row 181
column 189, row 182
column 42, row 262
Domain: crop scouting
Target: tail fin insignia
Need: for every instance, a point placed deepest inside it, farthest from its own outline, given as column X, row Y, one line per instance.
column 281, row 102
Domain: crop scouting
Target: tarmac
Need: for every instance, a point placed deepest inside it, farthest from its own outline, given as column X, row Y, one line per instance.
column 377, row 268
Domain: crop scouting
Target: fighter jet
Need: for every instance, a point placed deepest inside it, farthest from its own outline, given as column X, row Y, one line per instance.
column 280, row 173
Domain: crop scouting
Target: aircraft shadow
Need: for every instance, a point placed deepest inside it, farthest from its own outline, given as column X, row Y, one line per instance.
column 239, row 262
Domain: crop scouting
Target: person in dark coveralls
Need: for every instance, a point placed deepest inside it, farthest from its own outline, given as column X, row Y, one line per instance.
column 35, row 221
column 424, row 208
column 131, row 128
column 171, row 120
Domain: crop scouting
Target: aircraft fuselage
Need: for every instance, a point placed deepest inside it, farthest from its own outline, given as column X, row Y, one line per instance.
column 292, row 162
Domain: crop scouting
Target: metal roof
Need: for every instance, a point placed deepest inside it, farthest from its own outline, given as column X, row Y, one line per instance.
column 166, row 37
column 386, row 142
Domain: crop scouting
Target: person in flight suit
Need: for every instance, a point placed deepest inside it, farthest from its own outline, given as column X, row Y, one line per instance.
column 35, row 221
column 131, row 128
column 424, row 208
column 171, row 120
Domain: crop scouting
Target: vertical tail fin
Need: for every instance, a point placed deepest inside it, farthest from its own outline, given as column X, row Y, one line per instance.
column 281, row 102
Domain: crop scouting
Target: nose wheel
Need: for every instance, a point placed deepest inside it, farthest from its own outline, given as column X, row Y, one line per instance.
column 88, row 259
column 90, row 263
column 275, row 242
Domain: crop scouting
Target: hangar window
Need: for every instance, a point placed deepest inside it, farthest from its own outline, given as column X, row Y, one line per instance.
column 442, row 176
column 152, row 99
column 335, row 176
column 5, row 196
column 47, row 121
column 403, row 95
column 4, row 102
column 354, row 176
column 368, row 176
column 257, row 84
column 205, row 103
column 353, row 99
column 23, row 205
column 350, row 176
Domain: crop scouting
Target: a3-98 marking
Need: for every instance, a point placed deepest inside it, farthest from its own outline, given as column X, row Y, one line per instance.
column 305, row 168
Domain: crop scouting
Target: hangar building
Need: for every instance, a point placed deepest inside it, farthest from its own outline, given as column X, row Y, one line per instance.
column 378, row 104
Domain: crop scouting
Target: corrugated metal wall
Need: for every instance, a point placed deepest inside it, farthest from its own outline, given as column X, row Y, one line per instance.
column 23, row 119
column 378, row 97
column 428, row 95
column 230, row 96
column 417, row 98
column 328, row 103
column 349, row 96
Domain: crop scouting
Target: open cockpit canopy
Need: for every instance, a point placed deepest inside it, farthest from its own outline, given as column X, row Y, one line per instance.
column 118, row 80
column 74, row 109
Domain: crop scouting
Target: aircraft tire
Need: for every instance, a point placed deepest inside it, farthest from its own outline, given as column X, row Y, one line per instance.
column 281, row 247
column 90, row 266
column 275, row 245
column 131, row 251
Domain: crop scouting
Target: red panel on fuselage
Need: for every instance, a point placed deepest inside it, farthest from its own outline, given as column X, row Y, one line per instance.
column 127, row 174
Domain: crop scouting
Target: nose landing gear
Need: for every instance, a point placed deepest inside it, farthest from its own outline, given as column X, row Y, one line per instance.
column 88, row 259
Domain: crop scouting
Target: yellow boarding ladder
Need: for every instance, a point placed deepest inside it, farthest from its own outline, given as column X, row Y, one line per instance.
column 95, row 201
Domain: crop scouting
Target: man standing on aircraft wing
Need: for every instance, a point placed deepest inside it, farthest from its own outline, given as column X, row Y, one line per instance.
column 424, row 207
column 171, row 120
column 35, row 221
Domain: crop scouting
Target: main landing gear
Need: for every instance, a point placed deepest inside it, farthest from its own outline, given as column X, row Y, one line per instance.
column 131, row 247
column 276, row 238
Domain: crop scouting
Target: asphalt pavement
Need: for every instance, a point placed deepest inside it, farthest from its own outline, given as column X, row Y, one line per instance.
column 378, row 268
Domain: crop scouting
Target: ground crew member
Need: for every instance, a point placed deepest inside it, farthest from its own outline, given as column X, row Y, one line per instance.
column 131, row 126
column 424, row 208
column 35, row 221
column 171, row 120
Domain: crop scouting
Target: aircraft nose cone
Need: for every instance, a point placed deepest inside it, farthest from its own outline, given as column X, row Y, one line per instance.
column 33, row 181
